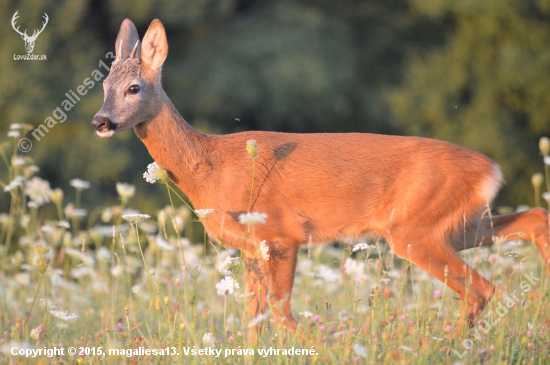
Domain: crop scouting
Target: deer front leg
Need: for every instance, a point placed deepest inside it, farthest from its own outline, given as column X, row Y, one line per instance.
column 256, row 279
column 282, row 267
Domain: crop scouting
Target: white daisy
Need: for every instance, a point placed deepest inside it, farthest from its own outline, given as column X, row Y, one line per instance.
column 361, row 246
column 258, row 320
column 64, row 316
column 38, row 190
column 15, row 183
column 227, row 286
column 228, row 263
column 135, row 218
column 252, row 218
column 14, row 134
column 355, row 269
column 209, row 340
column 155, row 173
column 360, row 350
column 162, row 243
column 79, row 184
column 203, row 213
column 126, row 191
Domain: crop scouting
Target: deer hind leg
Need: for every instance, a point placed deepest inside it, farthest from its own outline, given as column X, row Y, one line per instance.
column 433, row 256
column 527, row 225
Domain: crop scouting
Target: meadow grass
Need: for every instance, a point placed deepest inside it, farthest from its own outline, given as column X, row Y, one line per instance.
column 107, row 285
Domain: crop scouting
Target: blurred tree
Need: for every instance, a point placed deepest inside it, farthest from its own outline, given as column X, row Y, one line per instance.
column 487, row 87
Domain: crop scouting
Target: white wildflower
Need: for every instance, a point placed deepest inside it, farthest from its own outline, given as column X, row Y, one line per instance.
column 32, row 204
column 79, row 184
column 546, row 196
column 64, row 224
column 15, row 183
column 162, row 243
column 82, row 271
column 151, row 174
column 38, row 190
column 258, row 320
column 227, row 286
column 72, row 212
column 126, row 191
column 343, row 315
column 306, row 314
column 6, row 347
column 79, row 255
column 31, row 170
column 252, row 218
column 64, row 316
column 361, row 246
column 203, row 213
column 103, row 254
column 80, row 213
column 209, row 340
column 117, row 271
column 15, row 126
column 228, row 263
column 547, row 160
column 360, row 350
column 14, row 134
column 18, row 161
column 155, row 173
column 328, row 274
column 135, row 218
column 47, row 228
column 355, row 269
column 264, row 249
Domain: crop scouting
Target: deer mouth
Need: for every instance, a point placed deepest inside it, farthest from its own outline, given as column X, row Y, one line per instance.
column 104, row 126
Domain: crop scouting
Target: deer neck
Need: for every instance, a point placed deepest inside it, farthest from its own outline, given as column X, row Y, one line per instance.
column 177, row 147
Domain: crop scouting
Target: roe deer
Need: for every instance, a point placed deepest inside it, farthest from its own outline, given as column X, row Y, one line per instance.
column 428, row 198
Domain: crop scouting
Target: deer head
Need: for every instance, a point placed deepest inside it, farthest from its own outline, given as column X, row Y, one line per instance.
column 29, row 41
column 133, row 93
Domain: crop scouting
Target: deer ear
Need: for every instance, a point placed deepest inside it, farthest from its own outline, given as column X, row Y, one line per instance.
column 126, row 39
column 155, row 46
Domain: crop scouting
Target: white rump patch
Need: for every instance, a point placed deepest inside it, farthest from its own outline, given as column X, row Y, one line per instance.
column 491, row 184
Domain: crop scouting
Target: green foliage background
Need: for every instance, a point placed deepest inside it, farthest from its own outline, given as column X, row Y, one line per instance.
column 470, row 72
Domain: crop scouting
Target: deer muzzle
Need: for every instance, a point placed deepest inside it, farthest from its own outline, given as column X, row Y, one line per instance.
column 104, row 126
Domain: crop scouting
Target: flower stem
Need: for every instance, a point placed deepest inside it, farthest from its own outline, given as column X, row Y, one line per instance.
column 252, row 184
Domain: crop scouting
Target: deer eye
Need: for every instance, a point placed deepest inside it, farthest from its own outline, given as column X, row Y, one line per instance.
column 134, row 89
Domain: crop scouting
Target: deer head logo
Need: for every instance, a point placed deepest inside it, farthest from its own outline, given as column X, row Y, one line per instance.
column 29, row 41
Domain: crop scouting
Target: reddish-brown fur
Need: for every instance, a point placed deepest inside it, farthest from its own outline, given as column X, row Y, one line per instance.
column 426, row 197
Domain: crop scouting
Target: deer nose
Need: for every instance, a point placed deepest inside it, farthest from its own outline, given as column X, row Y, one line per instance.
column 101, row 124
